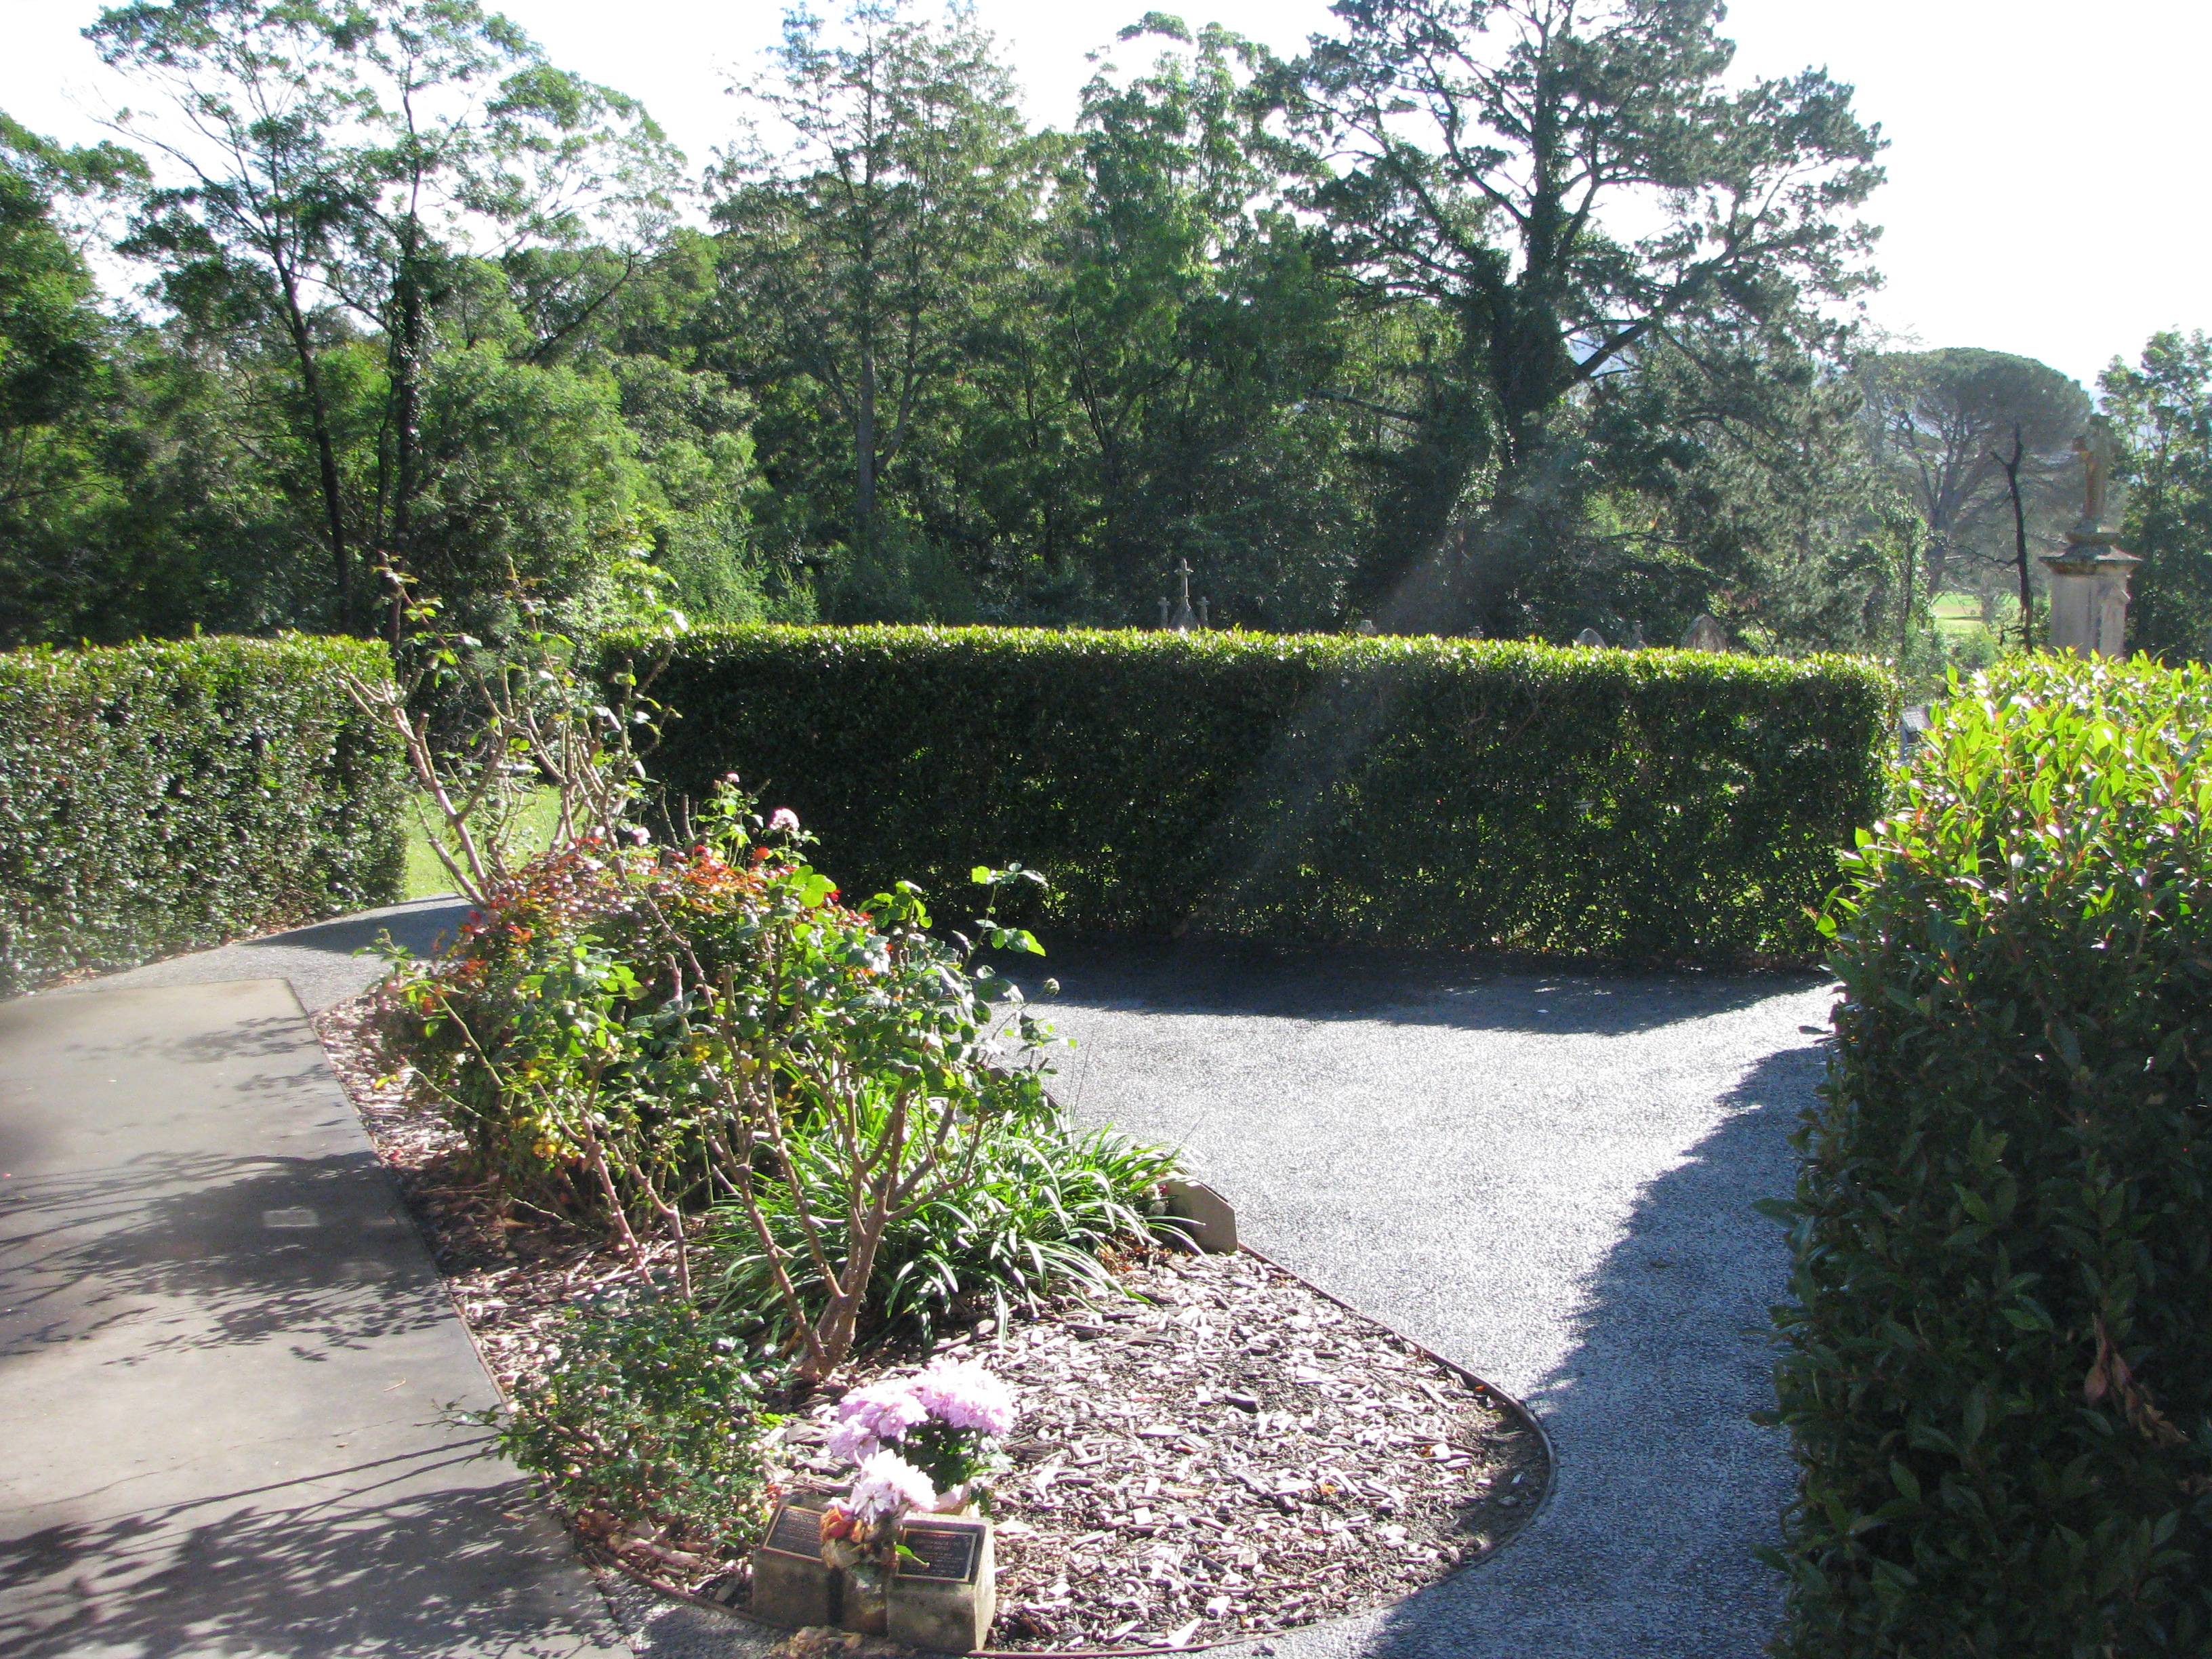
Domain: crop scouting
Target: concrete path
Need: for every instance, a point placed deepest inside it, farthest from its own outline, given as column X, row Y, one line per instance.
column 322, row 963
column 223, row 1357
column 1545, row 1177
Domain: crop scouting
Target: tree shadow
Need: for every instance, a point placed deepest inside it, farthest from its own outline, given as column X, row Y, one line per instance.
column 420, row 927
column 1663, row 1486
column 453, row 1569
column 312, row 1250
column 1392, row 987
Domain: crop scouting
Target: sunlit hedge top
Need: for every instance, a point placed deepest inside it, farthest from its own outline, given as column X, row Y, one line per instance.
column 161, row 796
column 1403, row 790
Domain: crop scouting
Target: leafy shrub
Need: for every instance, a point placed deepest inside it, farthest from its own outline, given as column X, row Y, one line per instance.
column 639, row 1032
column 1997, row 1369
column 1032, row 1211
column 646, row 1411
column 156, row 798
column 1415, row 791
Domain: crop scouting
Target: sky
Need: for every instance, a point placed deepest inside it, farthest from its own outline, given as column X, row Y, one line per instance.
column 2045, row 162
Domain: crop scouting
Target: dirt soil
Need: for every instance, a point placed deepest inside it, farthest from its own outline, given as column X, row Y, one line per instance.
column 1227, row 1452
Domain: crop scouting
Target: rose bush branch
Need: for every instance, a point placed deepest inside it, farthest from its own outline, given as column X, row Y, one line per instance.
column 529, row 718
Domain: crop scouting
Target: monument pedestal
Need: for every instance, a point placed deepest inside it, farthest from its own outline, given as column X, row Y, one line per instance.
column 2089, row 595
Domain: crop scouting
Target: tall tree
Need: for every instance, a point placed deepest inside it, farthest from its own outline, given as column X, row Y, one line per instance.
column 871, row 228
column 328, row 158
column 1199, row 344
column 1489, row 157
column 1945, row 421
column 56, row 347
column 2161, row 412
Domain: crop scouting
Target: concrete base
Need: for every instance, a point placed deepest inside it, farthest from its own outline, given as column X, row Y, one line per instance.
column 945, row 1600
column 226, row 1363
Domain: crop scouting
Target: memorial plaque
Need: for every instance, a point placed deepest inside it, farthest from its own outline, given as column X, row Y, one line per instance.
column 795, row 1531
column 945, row 1553
column 791, row 1585
column 945, row 1591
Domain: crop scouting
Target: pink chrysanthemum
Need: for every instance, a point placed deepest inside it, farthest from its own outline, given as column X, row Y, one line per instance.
column 966, row 1396
column 888, row 1484
column 883, row 1410
column 851, row 1442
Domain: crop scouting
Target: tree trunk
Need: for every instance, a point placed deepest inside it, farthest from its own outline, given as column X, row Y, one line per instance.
column 406, row 384
column 326, row 458
column 2020, row 540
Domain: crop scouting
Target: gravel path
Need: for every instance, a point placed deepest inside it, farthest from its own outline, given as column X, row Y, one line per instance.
column 1548, row 1178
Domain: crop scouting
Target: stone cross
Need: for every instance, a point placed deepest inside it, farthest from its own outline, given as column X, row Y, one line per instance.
column 1184, row 618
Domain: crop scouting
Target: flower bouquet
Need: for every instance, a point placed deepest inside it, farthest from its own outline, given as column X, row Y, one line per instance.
column 945, row 1422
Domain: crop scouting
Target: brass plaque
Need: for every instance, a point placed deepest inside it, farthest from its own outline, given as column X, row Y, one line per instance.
column 794, row 1531
column 945, row 1552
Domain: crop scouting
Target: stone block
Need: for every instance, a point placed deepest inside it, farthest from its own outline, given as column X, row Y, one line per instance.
column 1213, row 1224
column 791, row 1585
column 944, row 1592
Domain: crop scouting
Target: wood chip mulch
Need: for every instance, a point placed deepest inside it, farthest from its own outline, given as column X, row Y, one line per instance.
column 1227, row 1453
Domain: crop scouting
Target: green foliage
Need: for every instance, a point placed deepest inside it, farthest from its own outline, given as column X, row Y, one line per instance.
column 639, row 1034
column 158, row 797
column 2161, row 412
column 1996, row 1369
column 1034, row 1207
column 647, row 1412
column 1414, row 791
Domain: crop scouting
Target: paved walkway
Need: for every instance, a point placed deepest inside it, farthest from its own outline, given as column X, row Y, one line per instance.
column 1548, row 1178
column 223, row 1357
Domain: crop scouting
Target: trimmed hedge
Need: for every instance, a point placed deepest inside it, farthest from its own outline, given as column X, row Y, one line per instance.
column 1409, row 790
column 1998, row 1371
column 159, row 797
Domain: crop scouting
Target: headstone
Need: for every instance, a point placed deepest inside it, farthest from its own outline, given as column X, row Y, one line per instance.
column 792, row 1587
column 944, row 1592
column 1591, row 639
column 1705, row 634
column 1213, row 1223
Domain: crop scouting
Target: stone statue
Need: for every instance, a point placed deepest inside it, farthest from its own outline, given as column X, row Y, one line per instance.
column 2098, row 452
column 1705, row 634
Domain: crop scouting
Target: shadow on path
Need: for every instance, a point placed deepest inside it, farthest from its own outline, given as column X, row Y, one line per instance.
column 420, row 927
column 350, row 1574
column 1664, row 1485
column 1396, row 988
column 244, row 1242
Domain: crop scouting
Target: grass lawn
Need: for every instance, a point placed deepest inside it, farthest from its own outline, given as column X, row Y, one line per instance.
column 426, row 878
column 1960, row 613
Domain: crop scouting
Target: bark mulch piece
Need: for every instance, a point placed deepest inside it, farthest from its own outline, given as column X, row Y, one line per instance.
column 1226, row 1453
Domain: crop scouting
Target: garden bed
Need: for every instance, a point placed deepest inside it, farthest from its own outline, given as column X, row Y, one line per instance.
column 1227, row 1453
